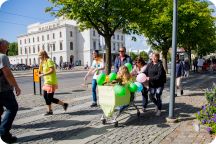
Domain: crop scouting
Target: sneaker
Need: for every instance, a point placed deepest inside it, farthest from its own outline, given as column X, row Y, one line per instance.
column 156, row 109
column 158, row 113
column 48, row 113
column 65, row 106
column 8, row 138
column 93, row 105
column 182, row 92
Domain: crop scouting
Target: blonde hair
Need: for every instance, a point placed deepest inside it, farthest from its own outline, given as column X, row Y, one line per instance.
column 43, row 54
column 124, row 75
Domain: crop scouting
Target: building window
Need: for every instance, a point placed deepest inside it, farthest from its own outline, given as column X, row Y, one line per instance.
column 71, row 34
column 33, row 49
column 25, row 41
column 29, row 40
column 61, row 46
column 20, row 50
column 94, row 45
column 38, row 39
column 94, row 33
column 29, row 61
column 38, row 48
column 33, row 39
column 53, row 35
column 114, row 46
column 26, row 61
column 113, row 36
column 117, row 37
column 54, row 59
column 48, row 47
column 53, row 47
column 21, row 61
column 42, row 38
column 60, row 34
column 25, row 50
column 118, row 46
column 20, row 41
column 43, row 47
column 71, row 45
column 122, row 37
column 34, row 61
column 48, row 37
column 29, row 50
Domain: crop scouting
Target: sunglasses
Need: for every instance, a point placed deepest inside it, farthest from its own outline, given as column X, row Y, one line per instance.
column 121, row 51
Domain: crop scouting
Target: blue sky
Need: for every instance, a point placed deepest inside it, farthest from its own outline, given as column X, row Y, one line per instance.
column 16, row 15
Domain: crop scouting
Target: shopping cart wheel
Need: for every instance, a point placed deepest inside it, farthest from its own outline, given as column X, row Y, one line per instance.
column 116, row 124
column 103, row 121
column 138, row 114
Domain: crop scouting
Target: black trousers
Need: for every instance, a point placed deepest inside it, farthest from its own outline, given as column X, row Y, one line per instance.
column 49, row 98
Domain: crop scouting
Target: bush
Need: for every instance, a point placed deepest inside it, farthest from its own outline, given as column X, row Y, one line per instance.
column 207, row 115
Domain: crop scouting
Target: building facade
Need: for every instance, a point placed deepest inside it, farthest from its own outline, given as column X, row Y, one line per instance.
column 63, row 42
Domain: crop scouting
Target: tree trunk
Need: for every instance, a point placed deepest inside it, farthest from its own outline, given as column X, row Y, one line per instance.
column 164, row 60
column 189, row 57
column 108, row 54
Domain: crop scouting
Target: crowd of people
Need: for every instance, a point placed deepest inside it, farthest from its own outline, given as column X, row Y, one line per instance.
column 152, row 87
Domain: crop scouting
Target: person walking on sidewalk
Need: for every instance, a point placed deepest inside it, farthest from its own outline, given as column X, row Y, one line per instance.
column 7, row 97
column 179, row 75
column 156, row 76
column 122, row 59
column 48, row 72
column 140, row 67
column 96, row 68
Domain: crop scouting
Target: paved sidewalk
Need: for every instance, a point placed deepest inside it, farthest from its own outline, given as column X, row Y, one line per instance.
column 150, row 128
column 81, row 124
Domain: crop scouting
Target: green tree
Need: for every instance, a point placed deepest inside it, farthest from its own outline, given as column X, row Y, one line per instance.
column 13, row 49
column 133, row 55
column 144, row 55
column 196, row 27
column 105, row 16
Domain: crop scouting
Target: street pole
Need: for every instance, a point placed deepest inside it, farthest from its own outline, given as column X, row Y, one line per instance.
column 173, row 63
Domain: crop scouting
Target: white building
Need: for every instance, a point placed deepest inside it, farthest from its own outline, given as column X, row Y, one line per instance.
column 63, row 42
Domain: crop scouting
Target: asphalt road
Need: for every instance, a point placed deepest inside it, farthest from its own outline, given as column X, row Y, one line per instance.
column 66, row 80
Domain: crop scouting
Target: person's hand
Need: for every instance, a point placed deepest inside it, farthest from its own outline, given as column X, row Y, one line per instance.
column 18, row 91
column 40, row 75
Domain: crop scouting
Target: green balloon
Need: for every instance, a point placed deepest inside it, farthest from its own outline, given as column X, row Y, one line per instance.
column 112, row 76
column 101, row 79
column 133, row 87
column 129, row 66
column 119, row 90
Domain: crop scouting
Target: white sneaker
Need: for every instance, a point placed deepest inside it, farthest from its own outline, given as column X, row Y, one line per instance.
column 156, row 109
column 158, row 113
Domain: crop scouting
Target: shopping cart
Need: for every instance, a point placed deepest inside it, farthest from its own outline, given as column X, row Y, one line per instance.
column 113, row 106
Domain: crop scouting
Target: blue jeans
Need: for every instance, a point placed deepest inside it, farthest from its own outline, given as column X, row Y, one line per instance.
column 156, row 92
column 8, row 100
column 94, row 86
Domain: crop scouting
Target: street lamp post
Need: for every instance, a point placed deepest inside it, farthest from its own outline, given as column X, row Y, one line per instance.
column 173, row 63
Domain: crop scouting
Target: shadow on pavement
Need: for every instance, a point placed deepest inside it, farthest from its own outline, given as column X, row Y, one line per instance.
column 52, row 124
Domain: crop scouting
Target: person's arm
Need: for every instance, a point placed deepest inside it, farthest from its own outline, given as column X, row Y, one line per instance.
column 116, row 65
column 51, row 70
column 11, row 80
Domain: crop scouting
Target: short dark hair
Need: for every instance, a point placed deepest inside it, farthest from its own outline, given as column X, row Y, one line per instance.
column 2, row 41
column 140, row 59
column 96, row 51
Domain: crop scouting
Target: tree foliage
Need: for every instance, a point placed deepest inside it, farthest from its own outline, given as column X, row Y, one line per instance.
column 105, row 16
column 13, row 49
column 144, row 55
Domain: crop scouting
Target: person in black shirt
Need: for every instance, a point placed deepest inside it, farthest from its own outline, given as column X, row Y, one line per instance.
column 156, row 76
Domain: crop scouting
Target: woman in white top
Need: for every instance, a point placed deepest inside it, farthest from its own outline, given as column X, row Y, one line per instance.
column 96, row 68
column 140, row 67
